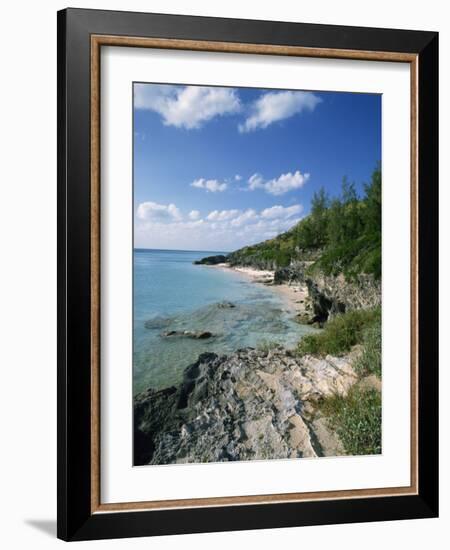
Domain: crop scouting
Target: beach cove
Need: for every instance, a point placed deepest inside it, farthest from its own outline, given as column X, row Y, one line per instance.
column 176, row 301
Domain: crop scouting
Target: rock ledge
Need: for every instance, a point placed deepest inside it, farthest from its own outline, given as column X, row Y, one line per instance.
column 250, row 405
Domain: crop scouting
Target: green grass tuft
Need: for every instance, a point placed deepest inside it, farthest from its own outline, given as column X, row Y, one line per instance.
column 370, row 360
column 340, row 333
column 356, row 419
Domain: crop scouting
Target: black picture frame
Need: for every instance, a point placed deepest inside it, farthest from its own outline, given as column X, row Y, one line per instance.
column 75, row 518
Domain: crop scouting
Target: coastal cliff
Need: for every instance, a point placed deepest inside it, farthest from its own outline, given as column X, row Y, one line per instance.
column 329, row 295
column 334, row 252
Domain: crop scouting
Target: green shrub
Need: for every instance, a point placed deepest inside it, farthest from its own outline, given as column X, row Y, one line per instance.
column 340, row 333
column 370, row 360
column 359, row 255
column 356, row 419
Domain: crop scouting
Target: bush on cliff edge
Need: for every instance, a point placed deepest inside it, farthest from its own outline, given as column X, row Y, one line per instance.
column 341, row 333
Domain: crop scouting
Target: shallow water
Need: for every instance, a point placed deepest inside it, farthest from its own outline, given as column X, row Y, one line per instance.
column 170, row 293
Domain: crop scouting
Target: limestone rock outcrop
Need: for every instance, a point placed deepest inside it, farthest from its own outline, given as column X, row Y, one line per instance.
column 250, row 405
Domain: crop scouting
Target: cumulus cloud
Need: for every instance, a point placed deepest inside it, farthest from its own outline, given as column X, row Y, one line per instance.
column 244, row 218
column 255, row 182
column 237, row 177
column 194, row 215
column 153, row 211
column 163, row 226
column 214, row 186
column 278, row 186
column 275, row 106
column 281, row 211
column 222, row 215
column 186, row 106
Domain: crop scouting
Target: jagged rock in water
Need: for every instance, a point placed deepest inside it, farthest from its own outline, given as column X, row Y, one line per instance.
column 249, row 405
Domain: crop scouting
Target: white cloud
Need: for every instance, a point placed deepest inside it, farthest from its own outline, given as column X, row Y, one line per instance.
column 214, row 186
column 194, row 215
column 244, row 218
column 163, row 226
column 237, row 177
column 275, row 106
column 255, row 182
column 158, row 212
column 278, row 186
column 186, row 106
column 222, row 215
column 281, row 211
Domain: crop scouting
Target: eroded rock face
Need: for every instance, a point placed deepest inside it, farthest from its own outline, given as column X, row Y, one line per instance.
column 330, row 295
column 362, row 293
column 247, row 406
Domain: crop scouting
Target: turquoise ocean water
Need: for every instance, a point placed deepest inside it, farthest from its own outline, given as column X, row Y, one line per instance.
column 170, row 293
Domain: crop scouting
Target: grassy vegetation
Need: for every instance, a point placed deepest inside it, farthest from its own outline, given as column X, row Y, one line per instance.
column 341, row 235
column 370, row 360
column 361, row 255
column 343, row 332
column 356, row 419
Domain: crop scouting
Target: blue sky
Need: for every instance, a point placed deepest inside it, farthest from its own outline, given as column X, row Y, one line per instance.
column 220, row 168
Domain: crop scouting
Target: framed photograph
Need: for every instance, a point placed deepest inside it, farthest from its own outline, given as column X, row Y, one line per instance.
column 247, row 253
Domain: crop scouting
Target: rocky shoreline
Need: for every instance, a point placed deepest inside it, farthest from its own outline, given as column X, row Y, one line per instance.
column 314, row 297
column 249, row 405
column 256, row 404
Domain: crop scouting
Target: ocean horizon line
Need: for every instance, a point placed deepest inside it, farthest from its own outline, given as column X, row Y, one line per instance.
column 139, row 248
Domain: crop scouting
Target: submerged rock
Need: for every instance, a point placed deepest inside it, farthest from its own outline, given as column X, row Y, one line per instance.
column 226, row 305
column 157, row 323
column 250, row 405
column 196, row 334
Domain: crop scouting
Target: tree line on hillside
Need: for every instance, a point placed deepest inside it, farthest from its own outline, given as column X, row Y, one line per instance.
column 341, row 234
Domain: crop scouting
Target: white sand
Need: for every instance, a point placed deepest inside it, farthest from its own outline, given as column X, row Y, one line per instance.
column 254, row 273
